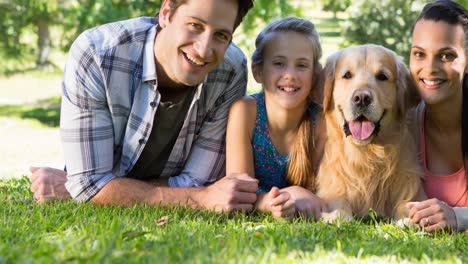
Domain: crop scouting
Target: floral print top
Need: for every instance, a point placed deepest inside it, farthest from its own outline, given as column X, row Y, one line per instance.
column 270, row 166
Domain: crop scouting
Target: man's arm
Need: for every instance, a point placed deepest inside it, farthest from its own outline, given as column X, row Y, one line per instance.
column 234, row 192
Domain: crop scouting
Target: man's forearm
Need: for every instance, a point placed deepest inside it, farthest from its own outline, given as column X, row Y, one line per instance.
column 128, row 192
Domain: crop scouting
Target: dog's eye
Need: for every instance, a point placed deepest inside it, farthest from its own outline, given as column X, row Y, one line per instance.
column 347, row 75
column 381, row 77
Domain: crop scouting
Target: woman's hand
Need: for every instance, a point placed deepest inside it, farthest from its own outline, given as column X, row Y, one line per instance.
column 432, row 215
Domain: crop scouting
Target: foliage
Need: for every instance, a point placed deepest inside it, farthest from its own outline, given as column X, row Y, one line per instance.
column 80, row 232
column 335, row 5
column 20, row 15
column 387, row 22
column 263, row 12
column 85, row 14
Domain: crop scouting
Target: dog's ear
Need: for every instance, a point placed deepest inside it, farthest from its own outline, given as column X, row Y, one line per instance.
column 407, row 91
column 329, row 80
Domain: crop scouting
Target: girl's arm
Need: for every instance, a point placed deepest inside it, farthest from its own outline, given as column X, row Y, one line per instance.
column 239, row 156
column 240, row 125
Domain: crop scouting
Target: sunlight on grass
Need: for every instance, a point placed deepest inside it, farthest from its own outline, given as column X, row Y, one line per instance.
column 82, row 232
column 29, row 87
column 46, row 111
column 27, row 142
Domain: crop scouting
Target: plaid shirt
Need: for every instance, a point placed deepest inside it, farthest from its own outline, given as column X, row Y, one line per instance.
column 110, row 97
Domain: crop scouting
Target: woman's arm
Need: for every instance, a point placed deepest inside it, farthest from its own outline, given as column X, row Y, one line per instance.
column 461, row 214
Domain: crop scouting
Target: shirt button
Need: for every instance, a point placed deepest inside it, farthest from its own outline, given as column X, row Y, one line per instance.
column 141, row 141
column 153, row 104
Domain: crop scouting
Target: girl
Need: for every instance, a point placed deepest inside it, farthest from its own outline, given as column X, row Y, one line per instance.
column 438, row 64
column 274, row 135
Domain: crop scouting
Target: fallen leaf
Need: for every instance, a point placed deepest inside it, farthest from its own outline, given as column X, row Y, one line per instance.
column 162, row 221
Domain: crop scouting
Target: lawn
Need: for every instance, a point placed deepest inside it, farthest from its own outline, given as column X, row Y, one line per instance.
column 82, row 233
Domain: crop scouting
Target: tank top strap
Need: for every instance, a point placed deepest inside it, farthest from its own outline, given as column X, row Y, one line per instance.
column 261, row 122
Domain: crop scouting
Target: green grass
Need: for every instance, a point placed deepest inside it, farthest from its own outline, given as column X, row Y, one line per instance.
column 82, row 233
column 46, row 111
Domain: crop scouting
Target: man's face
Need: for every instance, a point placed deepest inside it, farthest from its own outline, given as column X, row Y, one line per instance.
column 193, row 40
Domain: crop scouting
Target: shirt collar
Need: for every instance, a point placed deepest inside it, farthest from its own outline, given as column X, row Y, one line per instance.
column 149, row 65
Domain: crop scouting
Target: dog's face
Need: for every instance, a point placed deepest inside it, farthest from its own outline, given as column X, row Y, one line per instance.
column 367, row 89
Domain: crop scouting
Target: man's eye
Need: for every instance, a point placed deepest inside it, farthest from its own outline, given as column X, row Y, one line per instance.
column 222, row 37
column 195, row 26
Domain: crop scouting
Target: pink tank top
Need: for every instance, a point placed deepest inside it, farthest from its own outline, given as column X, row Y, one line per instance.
column 448, row 188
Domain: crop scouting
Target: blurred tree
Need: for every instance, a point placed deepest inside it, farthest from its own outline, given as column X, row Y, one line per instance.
column 71, row 17
column 80, row 15
column 262, row 13
column 335, row 6
column 17, row 15
column 386, row 22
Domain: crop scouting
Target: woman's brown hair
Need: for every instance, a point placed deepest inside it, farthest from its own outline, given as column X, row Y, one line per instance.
column 454, row 14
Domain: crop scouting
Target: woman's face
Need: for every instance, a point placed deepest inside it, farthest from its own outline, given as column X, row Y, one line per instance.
column 438, row 60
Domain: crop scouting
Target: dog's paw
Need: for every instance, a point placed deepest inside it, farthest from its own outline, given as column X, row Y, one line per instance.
column 406, row 222
column 336, row 215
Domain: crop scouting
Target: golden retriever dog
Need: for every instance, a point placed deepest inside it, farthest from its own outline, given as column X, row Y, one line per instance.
column 370, row 159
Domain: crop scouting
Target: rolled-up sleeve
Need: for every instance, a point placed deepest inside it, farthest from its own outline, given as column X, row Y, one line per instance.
column 85, row 124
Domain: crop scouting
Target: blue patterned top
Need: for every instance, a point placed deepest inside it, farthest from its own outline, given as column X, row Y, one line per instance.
column 270, row 166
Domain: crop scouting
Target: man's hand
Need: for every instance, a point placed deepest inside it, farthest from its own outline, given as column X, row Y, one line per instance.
column 235, row 192
column 432, row 215
column 307, row 203
column 48, row 184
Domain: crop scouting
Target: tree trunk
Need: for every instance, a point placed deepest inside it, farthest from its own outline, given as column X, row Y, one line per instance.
column 43, row 43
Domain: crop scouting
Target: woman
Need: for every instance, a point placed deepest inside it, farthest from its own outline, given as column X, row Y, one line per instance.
column 438, row 64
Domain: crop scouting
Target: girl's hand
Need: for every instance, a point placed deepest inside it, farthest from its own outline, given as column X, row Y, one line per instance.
column 432, row 215
column 307, row 203
column 279, row 203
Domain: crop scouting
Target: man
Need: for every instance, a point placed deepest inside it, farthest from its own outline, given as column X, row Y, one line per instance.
column 144, row 111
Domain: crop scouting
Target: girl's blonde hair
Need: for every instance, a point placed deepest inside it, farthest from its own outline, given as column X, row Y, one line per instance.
column 301, row 171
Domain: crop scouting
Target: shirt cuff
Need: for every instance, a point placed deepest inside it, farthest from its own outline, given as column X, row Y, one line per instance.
column 184, row 181
column 461, row 213
column 84, row 188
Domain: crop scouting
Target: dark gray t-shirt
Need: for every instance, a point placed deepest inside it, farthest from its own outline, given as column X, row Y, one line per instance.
column 168, row 121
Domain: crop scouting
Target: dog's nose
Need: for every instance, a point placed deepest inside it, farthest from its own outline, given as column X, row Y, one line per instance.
column 362, row 98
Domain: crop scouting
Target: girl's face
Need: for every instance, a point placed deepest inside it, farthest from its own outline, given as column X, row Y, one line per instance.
column 287, row 69
column 438, row 60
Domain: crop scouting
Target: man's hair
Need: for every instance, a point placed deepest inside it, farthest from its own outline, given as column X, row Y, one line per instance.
column 244, row 7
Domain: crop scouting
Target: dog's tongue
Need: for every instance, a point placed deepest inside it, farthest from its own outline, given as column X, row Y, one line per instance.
column 361, row 130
